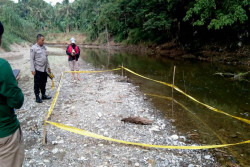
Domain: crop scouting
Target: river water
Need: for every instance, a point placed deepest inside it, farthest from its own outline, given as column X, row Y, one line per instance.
column 197, row 79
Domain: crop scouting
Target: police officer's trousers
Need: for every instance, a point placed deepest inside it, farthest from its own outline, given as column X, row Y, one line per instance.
column 40, row 81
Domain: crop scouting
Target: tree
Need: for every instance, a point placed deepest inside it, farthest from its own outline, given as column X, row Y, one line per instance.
column 218, row 14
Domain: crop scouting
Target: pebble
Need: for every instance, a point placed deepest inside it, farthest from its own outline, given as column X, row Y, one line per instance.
column 99, row 114
column 83, row 159
column 155, row 128
column 46, row 161
column 183, row 138
column 54, row 151
column 54, row 142
column 60, row 142
column 174, row 137
column 207, row 157
column 137, row 164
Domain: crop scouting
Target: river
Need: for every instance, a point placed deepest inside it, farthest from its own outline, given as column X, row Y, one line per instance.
column 197, row 79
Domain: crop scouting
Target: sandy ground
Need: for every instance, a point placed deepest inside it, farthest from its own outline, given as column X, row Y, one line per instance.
column 97, row 104
column 64, row 38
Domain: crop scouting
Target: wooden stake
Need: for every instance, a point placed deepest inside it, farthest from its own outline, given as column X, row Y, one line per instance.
column 122, row 69
column 173, row 93
column 107, row 34
column 45, row 134
column 184, row 82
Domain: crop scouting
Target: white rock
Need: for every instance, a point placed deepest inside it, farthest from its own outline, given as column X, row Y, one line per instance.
column 207, row 156
column 99, row 114
column 41, row 164
column 137, row 164
column 54, row 142
column 184, row 138
column 175, row 143
column 54, row 151
column 190, row 165
column 239, row 44
column 155, row 128
column 60, row 142
column 31, row 161
column 46, row 161
column 174, row 137
column 82, row 159
column 42, row 152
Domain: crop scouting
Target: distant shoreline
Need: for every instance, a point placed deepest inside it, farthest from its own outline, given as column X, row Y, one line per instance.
column 172, row 51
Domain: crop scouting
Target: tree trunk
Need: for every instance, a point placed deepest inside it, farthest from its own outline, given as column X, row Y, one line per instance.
column 107, row 34
column 67, row 21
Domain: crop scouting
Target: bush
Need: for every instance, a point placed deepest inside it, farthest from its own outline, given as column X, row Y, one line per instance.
column 17, row 29
column 9, row 38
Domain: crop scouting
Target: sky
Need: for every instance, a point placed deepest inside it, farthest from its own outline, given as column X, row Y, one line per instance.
column 53, row 2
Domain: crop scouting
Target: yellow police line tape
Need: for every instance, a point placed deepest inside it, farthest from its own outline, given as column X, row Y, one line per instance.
column 54, row 99
column 92, row 71
column 242, row 162
column 60, row 85
column 52, row 84
column 192, row 98
column 93, row 135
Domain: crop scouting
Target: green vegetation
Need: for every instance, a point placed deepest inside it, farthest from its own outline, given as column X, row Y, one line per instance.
column 218, row 15
column 17, row 28
column 189, row 23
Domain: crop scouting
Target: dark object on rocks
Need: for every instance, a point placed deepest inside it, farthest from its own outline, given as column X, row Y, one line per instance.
column 138, row 120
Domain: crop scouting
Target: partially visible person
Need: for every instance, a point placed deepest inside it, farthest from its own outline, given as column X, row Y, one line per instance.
column 11, row 96
column 73, row 52
column 39, row 67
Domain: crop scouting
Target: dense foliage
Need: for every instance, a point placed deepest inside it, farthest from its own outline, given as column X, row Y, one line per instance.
column 16, row 27
column 133, row 21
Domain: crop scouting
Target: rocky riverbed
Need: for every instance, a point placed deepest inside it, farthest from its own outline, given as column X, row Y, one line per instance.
column 97, row 104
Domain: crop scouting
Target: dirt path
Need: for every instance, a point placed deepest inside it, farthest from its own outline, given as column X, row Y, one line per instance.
column 97, row 104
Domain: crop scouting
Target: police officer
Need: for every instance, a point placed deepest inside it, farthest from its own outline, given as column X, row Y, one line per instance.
column 39, row 68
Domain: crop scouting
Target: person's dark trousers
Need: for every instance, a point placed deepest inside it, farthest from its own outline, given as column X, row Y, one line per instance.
column 40, row 81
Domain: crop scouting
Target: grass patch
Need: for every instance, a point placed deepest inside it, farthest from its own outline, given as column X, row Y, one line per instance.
column 8, row 39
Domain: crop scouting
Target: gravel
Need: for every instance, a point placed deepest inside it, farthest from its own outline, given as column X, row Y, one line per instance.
column 97, row 104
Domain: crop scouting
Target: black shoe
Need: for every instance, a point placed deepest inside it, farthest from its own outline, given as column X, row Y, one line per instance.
column 45, row 97
column 38, row 100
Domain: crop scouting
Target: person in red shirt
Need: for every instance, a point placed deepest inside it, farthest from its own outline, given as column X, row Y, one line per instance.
column 73, row 52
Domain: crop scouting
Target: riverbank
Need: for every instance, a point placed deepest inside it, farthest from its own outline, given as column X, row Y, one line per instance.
column 210, row 53
column 97, row 104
